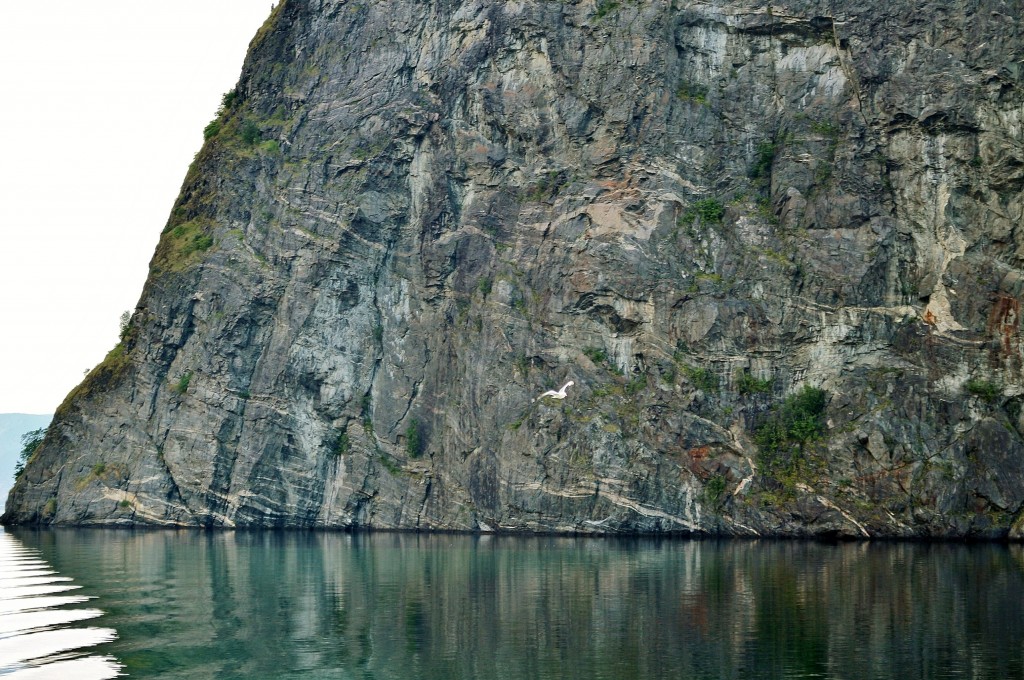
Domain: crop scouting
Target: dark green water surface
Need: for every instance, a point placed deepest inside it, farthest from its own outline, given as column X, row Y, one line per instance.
column 194, row 604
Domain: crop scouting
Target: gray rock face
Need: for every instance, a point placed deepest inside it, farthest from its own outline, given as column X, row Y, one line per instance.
column 411, row 218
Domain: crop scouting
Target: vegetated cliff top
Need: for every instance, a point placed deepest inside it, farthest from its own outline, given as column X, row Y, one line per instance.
column 775, row 247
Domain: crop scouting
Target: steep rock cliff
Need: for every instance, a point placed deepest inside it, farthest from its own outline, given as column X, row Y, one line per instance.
column 777, row 249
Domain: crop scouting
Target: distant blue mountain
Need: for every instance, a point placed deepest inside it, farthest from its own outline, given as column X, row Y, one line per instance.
column 12, row 426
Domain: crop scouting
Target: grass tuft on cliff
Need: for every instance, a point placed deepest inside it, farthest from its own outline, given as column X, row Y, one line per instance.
column 181, row 245
column 986, row 390
column 102, row 378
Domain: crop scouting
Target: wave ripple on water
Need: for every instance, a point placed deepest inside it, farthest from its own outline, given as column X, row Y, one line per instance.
column 38, row 610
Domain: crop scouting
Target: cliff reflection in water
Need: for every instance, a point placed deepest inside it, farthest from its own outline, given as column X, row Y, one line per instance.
column 235, row 604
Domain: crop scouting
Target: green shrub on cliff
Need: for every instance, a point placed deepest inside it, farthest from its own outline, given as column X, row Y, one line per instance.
column 704, row 379
column 797, row 420
column 783, row 436
column 30, row 441
column 988, row 391
column 181, row 387
column 124, row 325
column 709, row 210
column 714, row 489
column 249, row 133
column 413, row 441
column 604, row 8
column 694, row 92
column 748, row 384
column 212, row 129
column 762, row 166
column 181, row 243
column 103, row 377
column 342, row 444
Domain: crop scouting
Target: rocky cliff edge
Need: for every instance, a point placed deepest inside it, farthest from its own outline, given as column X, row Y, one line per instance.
column 776, row 247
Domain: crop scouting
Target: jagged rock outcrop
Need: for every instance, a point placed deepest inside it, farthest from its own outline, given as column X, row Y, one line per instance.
column 777, row 248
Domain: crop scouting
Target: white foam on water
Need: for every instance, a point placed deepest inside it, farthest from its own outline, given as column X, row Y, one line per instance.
column 48, row 618
column 87, row 668
column 37, row 639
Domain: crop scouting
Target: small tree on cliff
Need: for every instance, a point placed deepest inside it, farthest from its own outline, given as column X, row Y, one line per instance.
column 30, row 441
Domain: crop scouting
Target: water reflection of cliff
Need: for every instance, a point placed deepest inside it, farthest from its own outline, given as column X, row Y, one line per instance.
column 234, row 604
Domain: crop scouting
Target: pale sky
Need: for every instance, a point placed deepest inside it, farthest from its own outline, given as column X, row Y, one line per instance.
column 103, row 107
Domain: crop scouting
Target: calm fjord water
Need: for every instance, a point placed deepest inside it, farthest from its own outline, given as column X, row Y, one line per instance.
column 37, row 610
column 194, row 604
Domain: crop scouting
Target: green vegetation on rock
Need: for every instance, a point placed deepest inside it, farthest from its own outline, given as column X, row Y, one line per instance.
column 413, row 439
column 249, row 133
column 763, row 160
column 30, row 441
column 989, row 391
column 798, row 419
column 694, row 92
column 181, row 245
column 704, row 379
column 708, row 210
column 104, row 376
column 605, row 7
column 748, row 384
column 783, row 436
column 714, row 489
column 342, row 444
column 181, row 387
column 212, row 129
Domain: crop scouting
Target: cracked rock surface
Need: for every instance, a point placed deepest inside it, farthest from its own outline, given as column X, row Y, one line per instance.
column 411, row 218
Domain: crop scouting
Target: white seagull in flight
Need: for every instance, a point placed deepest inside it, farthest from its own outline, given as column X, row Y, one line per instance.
column 560, row 394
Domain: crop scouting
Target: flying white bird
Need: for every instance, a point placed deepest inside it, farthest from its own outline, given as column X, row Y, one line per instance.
column 560, row 394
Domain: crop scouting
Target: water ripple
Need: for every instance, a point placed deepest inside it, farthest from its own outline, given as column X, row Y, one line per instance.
column 37, row 639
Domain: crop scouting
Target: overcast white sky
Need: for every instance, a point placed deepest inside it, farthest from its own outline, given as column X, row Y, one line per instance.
column 104, row 104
